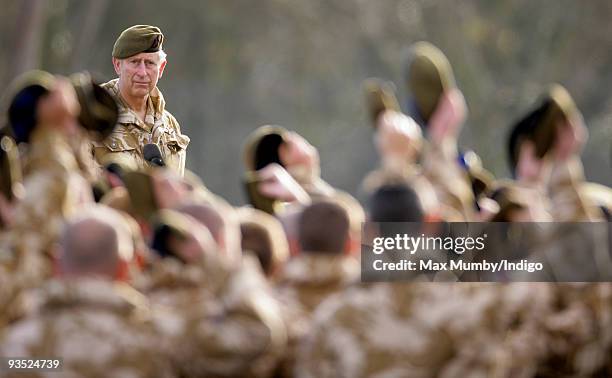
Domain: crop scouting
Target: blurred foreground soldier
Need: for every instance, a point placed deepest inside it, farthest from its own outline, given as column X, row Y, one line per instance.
column 439, row 107
column 323, row 268
column 97, row 324
column 144, row 123
column 43, row 114
column 323, row 265
column 270, row 153
column 399, row 142
column 263, row 236
column 219, row 314
column 544, row 150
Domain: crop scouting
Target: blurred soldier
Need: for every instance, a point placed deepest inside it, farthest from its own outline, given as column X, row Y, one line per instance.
column 54, row 186
column 544, row 152
column 144, row 123
column 222, row 222
column 272, row 152
column 399, row 142
column 274, row 144
column 567, row 182
column 438, row 105
column 97, row 324
column 220, row 315
column 263, row 236
column 323, row 267
column 525, row 198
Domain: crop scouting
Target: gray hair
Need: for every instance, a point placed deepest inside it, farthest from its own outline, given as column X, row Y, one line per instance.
column 162, row 56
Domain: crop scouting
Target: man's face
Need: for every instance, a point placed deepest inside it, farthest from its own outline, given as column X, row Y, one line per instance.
column 138, row 74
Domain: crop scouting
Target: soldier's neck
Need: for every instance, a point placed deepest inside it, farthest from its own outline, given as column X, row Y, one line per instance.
column 137, row 104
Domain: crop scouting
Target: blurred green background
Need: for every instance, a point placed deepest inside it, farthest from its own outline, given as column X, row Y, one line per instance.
column 236, row 64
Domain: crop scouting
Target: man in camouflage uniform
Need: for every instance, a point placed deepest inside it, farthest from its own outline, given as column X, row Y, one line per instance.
column 220, row 314
column 322, row 268
column 139, row 62
column 54, row 186
column 544, row 150
column 435, row 330
column 439, row 107
column 96, row 323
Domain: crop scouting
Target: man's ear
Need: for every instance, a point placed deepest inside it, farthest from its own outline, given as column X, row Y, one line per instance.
column 117, row 65
column 352, row 246
column 161, row 68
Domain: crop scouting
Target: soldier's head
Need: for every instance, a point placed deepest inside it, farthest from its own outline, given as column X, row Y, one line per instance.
column 263, row 235
column 139, row 60
column 96, row 242
column 324, row 228
column 395, row 202
column 220, row 219
column 182, row 237
column 274, row 144
column 392, row 205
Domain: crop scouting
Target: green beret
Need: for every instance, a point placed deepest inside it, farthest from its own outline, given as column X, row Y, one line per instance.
column 138, row 39
column 428, row 75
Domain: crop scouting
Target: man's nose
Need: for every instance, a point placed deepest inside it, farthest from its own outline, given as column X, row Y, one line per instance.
column 141, row 69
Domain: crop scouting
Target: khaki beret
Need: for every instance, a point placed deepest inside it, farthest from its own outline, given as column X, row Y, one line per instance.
column 540, row 124
column 142, row 195
column 138, row 39
column 24, row 93
column 261, row 147
column 559, row 107
column 428, row 75
column 379, row 96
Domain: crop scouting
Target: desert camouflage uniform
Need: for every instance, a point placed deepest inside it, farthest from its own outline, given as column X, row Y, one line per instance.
column 131, row 134
column 54, row 190
column 454, row 330
column 99, row 329
column 223, row 320
column 309, row 278
column 306, row 281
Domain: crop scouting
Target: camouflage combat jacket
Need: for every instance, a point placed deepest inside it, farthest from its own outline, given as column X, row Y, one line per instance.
column 131, row 134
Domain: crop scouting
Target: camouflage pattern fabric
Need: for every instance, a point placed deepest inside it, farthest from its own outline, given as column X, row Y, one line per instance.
column 99, row 329
column 131, row 134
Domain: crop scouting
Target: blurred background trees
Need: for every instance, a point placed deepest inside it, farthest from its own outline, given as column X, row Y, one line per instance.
column 235, row 65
